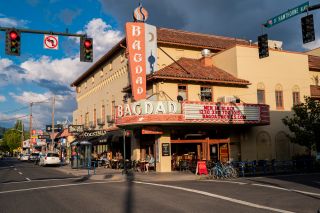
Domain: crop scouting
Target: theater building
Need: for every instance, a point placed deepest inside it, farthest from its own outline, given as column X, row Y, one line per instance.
column 211, row 98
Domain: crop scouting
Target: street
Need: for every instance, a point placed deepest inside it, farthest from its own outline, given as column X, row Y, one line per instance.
column 26, row 187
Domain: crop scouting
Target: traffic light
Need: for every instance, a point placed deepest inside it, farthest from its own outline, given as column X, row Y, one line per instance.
column 86, row 49
column 13, row 42
column 263, row 46
column 307, row 27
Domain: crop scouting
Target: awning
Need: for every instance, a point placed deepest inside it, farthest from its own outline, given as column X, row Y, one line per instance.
column 75, row 143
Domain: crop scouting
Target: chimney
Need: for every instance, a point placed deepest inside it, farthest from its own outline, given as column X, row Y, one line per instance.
column 206, row 59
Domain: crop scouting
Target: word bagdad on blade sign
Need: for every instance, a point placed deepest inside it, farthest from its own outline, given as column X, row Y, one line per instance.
column 141, row 41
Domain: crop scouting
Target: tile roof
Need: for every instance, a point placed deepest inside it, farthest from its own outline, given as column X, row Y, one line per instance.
column 314, row 62
column 192, row 69
column 199, row 40
column 315, row 91
column 173, row 37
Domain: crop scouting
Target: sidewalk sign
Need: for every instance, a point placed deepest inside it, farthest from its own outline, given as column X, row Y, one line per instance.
column 201, row 168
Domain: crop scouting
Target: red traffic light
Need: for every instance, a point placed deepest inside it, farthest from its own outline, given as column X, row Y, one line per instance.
column 87, row 43
column 13, row 35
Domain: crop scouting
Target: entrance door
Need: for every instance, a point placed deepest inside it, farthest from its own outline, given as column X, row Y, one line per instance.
column 214, row 156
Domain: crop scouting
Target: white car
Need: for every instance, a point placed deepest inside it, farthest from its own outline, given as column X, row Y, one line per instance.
column 49, row 159
column 24, row 157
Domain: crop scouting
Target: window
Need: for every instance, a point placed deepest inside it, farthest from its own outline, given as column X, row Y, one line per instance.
column 86, row 120
column 81, row 120
column 76, row 121
column 261, row 96
column 103, row 114
column 279, row 99
column 95, row 117
column 182, row 91
column 206, row 94
column 113, row 108
column 296, row 98
column 78, row 89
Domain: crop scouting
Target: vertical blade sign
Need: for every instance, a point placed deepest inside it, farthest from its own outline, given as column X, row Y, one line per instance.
column 135, row 36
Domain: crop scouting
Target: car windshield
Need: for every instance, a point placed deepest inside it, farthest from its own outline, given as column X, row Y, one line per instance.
column 52, row 155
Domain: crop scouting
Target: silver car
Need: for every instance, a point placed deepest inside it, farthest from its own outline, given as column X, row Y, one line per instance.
column 49, row 159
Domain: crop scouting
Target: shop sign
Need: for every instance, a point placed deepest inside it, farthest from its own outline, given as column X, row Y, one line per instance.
column 148, row 107
column 166, row 149
column 201, row 168
column 221, row 112
column 141, row 44
column 26, row 144
column 151, row 130
column 94, row 133
column 75, row 128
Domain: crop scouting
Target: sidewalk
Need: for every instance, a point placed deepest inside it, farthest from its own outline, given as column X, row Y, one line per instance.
column 102, row 173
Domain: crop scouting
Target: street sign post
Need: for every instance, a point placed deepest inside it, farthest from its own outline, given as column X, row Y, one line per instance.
column 57, row 128
column 286, row 15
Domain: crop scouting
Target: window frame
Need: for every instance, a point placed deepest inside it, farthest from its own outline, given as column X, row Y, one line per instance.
column 263, row 98
column 186, row 90
column 296, row 99
column 279, row 97
column 211, row 93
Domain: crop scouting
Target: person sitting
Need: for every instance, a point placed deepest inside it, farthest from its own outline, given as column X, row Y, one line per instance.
column 150, row 162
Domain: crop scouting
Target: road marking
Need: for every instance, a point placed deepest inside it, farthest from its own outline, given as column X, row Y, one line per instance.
column 226, row 181
column 77, row 178
column 57, row 186
column 307, row 193
column 217, row 196
column 270, row 186
column 28, row 179
column 20, row 173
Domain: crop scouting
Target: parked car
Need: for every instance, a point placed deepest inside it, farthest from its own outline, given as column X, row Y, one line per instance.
column 19, row 156
column 49, row 159
column 25, row 157
column 34, row 157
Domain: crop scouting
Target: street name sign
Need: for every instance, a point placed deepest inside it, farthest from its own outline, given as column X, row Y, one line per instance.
column 43, row 136
column 56, row 128
column 286, row 15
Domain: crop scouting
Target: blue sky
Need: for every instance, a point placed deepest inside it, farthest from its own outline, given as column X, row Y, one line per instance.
column 38, row 74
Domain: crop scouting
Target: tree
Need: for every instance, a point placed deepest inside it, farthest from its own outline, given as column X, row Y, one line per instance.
column 12, row 137
column 305, row 124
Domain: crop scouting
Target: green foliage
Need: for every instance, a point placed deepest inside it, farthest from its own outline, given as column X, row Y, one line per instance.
column 12, row 137
column 305, row 124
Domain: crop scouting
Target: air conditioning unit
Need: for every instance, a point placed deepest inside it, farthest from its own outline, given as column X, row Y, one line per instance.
column 228, row 99
column 110, row 119
column 100, row 121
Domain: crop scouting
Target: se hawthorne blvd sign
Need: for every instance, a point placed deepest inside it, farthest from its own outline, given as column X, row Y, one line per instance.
column 286, row 15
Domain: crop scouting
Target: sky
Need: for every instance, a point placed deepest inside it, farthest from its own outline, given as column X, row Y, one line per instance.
column 39, row 74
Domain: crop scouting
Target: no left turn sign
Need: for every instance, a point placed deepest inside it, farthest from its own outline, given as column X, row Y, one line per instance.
column 50, row 42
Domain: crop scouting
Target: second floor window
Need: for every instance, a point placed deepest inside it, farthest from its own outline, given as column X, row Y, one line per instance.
column 279, row 99
column 206, row 93
column 103, row 114
column 182, row 91
column 95, row 117
column 261, row 96
column 296, row 98
column 86, row 120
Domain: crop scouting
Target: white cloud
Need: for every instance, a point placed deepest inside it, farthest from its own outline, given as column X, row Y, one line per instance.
column 9, row 22
column 66, row 70
column 4, row 62
column 2, row 98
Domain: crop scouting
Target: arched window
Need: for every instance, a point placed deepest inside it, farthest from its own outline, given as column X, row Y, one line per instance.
column 261, row 93
column 296, row 95
column 279, row 96
column 282, row 146
column 263, row 143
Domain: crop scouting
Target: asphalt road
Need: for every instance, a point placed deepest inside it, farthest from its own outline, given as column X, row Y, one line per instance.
column 25, row 187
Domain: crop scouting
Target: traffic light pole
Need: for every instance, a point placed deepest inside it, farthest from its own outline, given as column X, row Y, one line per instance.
column 43, row 32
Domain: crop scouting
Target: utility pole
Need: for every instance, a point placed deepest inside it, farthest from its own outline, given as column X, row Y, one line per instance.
column 30, row 126
column 52, row 117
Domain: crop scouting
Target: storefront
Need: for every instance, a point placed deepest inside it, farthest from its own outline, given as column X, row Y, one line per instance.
column 174, row 131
